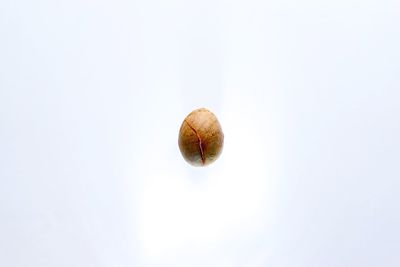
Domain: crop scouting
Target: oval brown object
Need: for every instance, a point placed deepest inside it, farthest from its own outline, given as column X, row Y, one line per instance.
column 200, row 138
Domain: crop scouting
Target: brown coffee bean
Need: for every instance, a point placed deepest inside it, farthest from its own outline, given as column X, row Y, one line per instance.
column 200, row 138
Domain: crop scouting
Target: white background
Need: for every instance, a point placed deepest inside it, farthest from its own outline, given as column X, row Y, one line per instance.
column 92, row 95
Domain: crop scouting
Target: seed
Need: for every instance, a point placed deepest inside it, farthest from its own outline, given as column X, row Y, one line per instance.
column 200, row 138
